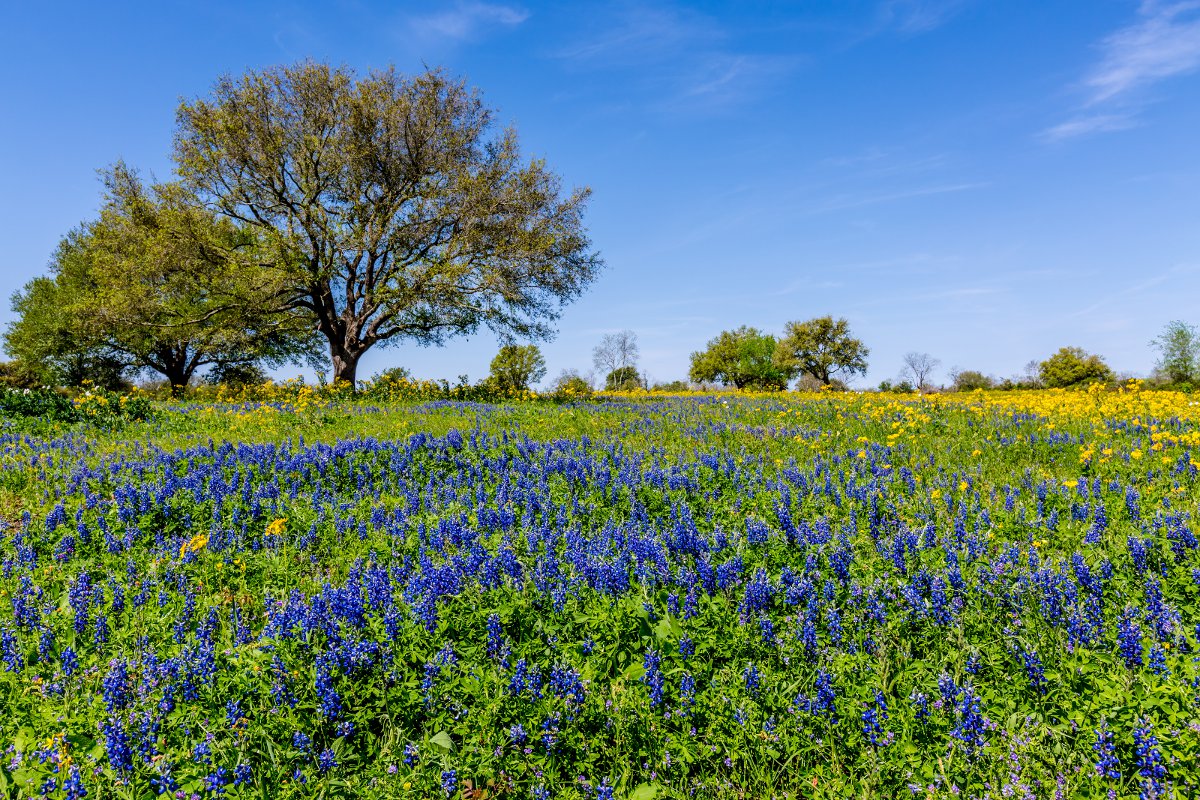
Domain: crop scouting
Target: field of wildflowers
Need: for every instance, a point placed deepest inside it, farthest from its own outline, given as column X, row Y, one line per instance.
column 832, row 595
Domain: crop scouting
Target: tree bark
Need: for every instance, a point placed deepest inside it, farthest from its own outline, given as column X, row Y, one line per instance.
column 345, row 366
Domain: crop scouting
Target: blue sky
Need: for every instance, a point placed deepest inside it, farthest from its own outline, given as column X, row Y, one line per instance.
column 983, row 181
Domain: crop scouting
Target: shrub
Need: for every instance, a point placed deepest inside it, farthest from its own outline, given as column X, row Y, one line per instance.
column 1074, row 366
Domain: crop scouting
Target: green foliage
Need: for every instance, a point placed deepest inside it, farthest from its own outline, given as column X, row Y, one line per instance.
column 236, row 375
column 52, row 406
column 571, row 386
column 389, row 207
column 156, row 283
column 1073, row 366
column 744, row 358
column 517, row 367
column 1179, row 352
column 18, row 375
column 967, row 380
column 823, row 348
column 622, row 379
column 48, row 339
column 392, row 375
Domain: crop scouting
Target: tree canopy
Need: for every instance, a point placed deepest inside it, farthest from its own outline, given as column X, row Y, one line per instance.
column 744, row 358
column 1073, row 366
column 390, row 207
column 147, row 286
column 823, row 348
column 1179, row 351
column 622, row 379
column 516, row 367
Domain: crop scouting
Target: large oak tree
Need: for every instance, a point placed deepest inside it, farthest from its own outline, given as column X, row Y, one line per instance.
column 392, row 206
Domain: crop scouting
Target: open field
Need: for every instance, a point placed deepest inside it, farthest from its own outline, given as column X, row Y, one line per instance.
column 830, row 595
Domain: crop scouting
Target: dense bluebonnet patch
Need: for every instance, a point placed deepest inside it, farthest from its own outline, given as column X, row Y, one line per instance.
column 701, row 599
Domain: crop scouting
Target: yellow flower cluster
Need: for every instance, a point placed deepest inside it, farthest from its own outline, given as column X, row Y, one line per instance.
column 194, row 545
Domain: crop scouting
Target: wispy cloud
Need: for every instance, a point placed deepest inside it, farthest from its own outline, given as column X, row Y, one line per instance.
column 680, row 58
column 1162, row 43
column 1088, row 124
column 642, row 34
column 917, row 16
column 464, row 21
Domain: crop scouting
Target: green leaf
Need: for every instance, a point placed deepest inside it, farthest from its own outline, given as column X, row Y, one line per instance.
column 634, row 671
column 442, row 740
column 645, row 791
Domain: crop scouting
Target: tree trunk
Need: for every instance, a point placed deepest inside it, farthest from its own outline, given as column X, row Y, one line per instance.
column 177, row 377
column 345, row 369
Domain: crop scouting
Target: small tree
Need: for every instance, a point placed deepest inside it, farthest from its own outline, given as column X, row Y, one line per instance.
column 823, row 348
column 1073, row 366
column 622, row 379
column 616, row 351
column 967, row 380
column 918, row 367
column 516, row 367
column 1179, row 351
column 743, row 358
column 570, row 384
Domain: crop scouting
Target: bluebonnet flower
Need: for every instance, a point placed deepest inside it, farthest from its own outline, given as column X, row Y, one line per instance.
column 73, row 786
column 411, row 754
column 920, row 704
column 808, row 635
column 687, row 647
column 826, row 698
column 116, row 745
column 972, row 724
column 242, row 774
column 1138, row 551
column 326, row 761
column 10, row 651
column 1129, row 638
column 873, row 715
column 117, row 686
column 1152, row 773
column 653, row 677
column 517, row 734
column 751, row 678
column 330, row 702
column 1158, row 661
column 604, row 791
column 215, row 781
column 449, row 781
column 1107, row 765
column 495, row 645
column 687, row 690
column 1034, row 669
